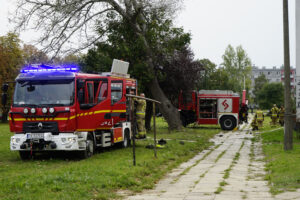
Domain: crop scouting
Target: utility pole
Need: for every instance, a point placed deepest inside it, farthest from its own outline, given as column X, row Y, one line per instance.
column 288, row 131
column 298, row 65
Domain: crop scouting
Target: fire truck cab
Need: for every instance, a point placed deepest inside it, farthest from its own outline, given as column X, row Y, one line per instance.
column 56, row 108
column 210, row 107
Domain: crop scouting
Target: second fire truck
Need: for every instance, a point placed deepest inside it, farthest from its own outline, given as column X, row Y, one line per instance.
column 210, row 107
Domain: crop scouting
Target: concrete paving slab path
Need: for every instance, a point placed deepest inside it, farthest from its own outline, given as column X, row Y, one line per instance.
column 232, row 169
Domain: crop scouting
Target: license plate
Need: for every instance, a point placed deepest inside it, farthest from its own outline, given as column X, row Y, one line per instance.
column 35, row 136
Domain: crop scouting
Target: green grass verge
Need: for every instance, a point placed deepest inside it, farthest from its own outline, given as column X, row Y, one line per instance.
column 100, row 176
column 283, row 166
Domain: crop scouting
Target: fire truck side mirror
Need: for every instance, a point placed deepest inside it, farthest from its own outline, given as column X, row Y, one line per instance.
column 80, row 84
column 4, row 99
column 4, row 87
column 80, row 94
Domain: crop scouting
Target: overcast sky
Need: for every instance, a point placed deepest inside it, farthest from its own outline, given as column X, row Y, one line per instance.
column 254, row 24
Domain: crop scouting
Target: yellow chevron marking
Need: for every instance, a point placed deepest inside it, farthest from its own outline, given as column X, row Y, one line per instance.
column 101, row 111
column 60, row 119
column 85, row 129
column 103, row 128
column 118, row 111
column 19, row 119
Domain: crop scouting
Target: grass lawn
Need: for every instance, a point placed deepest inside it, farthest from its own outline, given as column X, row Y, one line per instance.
column 283, row 167
column 100, row 176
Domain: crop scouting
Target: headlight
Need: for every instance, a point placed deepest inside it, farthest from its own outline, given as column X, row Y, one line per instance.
column 15, row 140
column 68, row 140
column 26, row 110
column 51, row 110
column 32, row 110
column 72, row 139
column 44, row 110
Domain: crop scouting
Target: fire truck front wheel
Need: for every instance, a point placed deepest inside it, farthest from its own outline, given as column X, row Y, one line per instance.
column 25, row 155
column 228, row 123
column 89, row 151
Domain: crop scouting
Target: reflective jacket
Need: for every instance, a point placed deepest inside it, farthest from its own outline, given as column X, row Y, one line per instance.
column 141, row 106
column 259, row 115
column 281, row 112
column 274, row 111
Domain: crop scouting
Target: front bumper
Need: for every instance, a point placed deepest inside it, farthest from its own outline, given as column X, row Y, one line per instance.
column 48, row 142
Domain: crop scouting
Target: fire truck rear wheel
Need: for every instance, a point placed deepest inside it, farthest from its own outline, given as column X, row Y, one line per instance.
column 126, row 142
column 228, row 123
column 24, row 155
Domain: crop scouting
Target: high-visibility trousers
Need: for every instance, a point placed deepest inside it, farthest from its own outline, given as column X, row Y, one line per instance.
column 254, row 125
column 140, row 119
column 274, row 119
column 281, row 119
column 260, row 123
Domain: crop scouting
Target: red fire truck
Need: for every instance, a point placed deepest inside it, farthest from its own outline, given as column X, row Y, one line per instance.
column 56, row 108
column 210, row 107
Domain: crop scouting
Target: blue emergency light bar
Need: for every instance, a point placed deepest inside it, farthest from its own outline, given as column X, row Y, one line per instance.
column 49, row 68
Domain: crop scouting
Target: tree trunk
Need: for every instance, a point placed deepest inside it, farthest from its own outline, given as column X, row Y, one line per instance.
column 148, row 117
column 169, row 112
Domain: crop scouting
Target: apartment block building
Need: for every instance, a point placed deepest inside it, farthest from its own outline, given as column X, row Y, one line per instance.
column 273, row 75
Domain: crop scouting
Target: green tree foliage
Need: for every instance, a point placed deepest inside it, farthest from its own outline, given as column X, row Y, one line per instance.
column 259, row 82
column 207, row 76
column 237, row 65
column 11, row 59
column 168, row 43
column 212, row 78
column 271, row 93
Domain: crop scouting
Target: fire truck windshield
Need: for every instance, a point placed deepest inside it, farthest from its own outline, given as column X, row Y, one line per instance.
column 44, row 92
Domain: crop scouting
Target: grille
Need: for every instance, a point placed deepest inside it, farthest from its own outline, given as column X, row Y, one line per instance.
column 35, row 127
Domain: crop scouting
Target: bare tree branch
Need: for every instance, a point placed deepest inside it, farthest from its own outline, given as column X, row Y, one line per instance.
column 60, row 21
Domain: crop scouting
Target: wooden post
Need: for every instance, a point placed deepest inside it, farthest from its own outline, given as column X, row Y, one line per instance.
column 133, row 123
column 133, row 128
column 154, row 130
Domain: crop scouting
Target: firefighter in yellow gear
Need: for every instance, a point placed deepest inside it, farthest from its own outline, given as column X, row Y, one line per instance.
column 254, row 124
column 259, row 115
column 281, row 115
column 140, row 116
column 274, row 115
